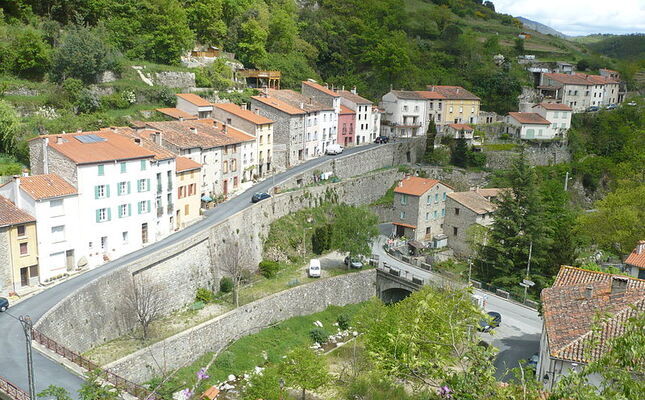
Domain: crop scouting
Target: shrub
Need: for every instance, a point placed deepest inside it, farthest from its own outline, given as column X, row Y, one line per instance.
column 88, row 102
column 226, row 285
column 319, row 335
column 343, row 321
column 269, row 269
column 204, row 295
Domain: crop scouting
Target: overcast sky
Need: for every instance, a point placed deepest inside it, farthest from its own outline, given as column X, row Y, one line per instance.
column 580, row 17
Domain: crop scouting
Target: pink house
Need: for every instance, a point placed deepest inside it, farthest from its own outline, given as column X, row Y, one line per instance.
column 346, row 120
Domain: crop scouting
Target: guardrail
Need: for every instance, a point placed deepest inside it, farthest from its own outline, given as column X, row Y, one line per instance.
column 110, row 377
column 11, row 390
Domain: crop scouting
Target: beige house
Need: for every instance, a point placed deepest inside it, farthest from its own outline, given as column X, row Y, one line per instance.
column 459, row 106
column 419, row 208
column 188, row 197
column 18, row 249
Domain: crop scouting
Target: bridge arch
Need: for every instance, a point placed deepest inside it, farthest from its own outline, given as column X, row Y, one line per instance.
column 394, row 295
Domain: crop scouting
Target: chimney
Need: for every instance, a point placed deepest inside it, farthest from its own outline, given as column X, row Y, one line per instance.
column 354, row 90
column 113, row 128
column 343, row 88
column 588, row 292
column 224, row 129
column 79, row 130
column 302, row 105
column 157, row 138
column 137, row 141
column 59, row 140
column 401, row 184
column 244, row 106
column 193, row 129
column 17, row 191
column 640, row 247
column 181, row 119
column 46, row 155
column 618, row 285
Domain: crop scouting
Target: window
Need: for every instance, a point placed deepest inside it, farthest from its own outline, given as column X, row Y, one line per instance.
column 143, row 185
column 235, row 181
column 429, row 199
column 404, row 199
column 402, row 215
column 104, row 242
column 58, row 233
column 124, row 236
column 444, row 196
column 436, row 197
column 56, row 207
column 233, row 165
column 456, row 211
column 144, row 206
column 22, row 230
column 454, row 230
column 450, row 110
column 405, row 108
column 103, row 214
column 143, row 165
column 225, row 167
column 443, row 212
column 427, row 216
column 556, row 115
column 123, row 168
column 101, row 191
column 461, row 109
column 24, row 249
column 123, row 188
column 124, row 210
column 434, row 214
column 101, row 170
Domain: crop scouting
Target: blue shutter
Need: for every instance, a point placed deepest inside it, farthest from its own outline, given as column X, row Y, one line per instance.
column 147, row 185
column 129, row 209
column 98, row 215
column 96, row 192
column 123, row 167
column 139, row 207
column 148, row 205
column 109, row 214
column 101, row 170
column 128, row 187
column 107, row 190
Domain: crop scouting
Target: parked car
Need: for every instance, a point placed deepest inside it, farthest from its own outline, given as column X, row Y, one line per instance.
column 353, row 262
column 259, row 196
column 592, row 109
column 382, row 139
column 631, row 103
column 314, row 268
column 533, row 361
column 334, row 149
column 4, row 304
column 611, row 107
column 493, row 320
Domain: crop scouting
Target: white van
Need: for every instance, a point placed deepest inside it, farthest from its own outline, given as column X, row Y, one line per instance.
column 314, row 268
column 334, row 149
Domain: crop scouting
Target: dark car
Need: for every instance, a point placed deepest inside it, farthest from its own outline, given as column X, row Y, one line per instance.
column 493, row 320
column 593, row 108
column 382, row 139
column 4, row 304
column 259, row 196
column 353, row 262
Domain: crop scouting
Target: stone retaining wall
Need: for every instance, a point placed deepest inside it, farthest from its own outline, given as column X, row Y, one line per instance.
column 214, row 335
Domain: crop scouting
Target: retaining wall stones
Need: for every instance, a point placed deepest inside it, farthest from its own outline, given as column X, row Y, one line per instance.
column 216, row 334
column 174, row 79
column 540, row 155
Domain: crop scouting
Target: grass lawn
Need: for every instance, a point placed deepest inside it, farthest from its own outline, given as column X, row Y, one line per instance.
column 500, row 146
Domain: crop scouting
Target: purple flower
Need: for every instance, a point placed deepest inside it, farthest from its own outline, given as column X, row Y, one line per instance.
column 445, row 391
column 201, row 374
column 187, row 393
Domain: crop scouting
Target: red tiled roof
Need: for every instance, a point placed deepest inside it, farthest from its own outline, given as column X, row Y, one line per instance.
column 346, row 110
column 635, row 258
column 40, row 187
column 554, row 106
column 189, row 134
column 453, row 92
column 354, row 98
column 194, row 99
column 279, row 105
column 570, row 308
column 599, row 79
column 406, row 225
column 321, row 88
column 176, row 113
column 529, row 118
column 461, row 127
column 407, row 94
column 184, row 164
column 244, row 114
column 145, row 139
column 298, row 100
column 426, row 94
column 11, row 215
column 580, row 79
column 415, row 186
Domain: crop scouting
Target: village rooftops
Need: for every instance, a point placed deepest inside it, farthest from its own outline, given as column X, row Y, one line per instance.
column 11, row 215
column 321, row 88
column 299, row 100
column 415, row 186
column 426, row 94
column 529, row 118
column 96, row 147
column 176, row 113
column 244, row 114
column 149, row 139
column 637, row 256
column 571, row 306
column 194, row 99
column 202, row 133
column 47, row 186
column 346, row 110
column 353, row 97
column 579, row 79
column 554, row 106
column 279, row 105
column 453, row 92
column 407, row 95
column 461, row 127
column 184, row 164
column 473, row 201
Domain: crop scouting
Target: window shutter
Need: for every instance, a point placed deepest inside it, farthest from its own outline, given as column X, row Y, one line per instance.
column 129, row 209
column 147, row 185
column 128, row 187
column 148, row 206
column 109, row 214
column 98, row 215
column 107, row 190
column 139, row 207
column 96, row 192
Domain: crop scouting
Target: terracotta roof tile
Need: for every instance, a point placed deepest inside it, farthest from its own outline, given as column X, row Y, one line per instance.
column 194, row 99
column 426, row 94
column 176, row 113
column 635, row 258
column 529, row 118
column 146, row 140
column 184, row 164
column 453, row 92
column 461, row 127
column 200, row 133
column 415, row 186
column 346, row 110
column 406, row 225
column 279, row 105
column 354, row 98
column 580, row 79
column 571, row 306
column 11, row 215
column 473, row 201
column 244, row 114
column 407, row 95
column 40, row 187
column 554, row 106
column 321, row 88
column 298, row 100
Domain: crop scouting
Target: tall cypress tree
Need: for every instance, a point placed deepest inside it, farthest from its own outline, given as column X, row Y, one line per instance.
column 459, row 155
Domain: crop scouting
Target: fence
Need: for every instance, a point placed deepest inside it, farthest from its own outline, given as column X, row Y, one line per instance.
column 117, row 381
column 13, row 391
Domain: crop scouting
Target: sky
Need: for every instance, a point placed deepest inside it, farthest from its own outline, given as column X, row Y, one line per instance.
column 580, row 17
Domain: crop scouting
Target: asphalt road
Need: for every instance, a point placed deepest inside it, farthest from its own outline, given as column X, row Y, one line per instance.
column 46, row 372
column 518, row 336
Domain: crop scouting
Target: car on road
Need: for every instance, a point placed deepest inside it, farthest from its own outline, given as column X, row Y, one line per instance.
column 611, row 107
column 314, row 268
column 533, row 361
column 353, row 262
column 4, row 304
column 592, row 109
column 382, row 139
column 259, row 196
column 334, row 149
column 493, row 320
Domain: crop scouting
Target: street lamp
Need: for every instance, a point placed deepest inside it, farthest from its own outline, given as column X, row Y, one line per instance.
column 27, row 326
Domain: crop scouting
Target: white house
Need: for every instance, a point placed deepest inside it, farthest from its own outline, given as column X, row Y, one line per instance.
column 365, row 119
column 404, row 114
column 635, row 262
column 194, row 105
column 529, row 126
column 579, row 91
column 54, row 203
column 558, row 114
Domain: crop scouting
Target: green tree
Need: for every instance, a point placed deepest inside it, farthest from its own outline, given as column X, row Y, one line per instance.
column 165, row 31
column 283, row 32
column 9, row 127
column 582, row 65
column 205, row 18
column 431, row 133
column 252, row 43
column 304, row 369
column 55, row 392
column 264, row 386
column 321, row 239
column 519, row 45
column 93, row 388
column 30, row 54
column 354, row 229
column 459, row 155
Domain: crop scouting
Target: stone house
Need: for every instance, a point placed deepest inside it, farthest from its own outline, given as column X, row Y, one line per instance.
column 188, row 178
column 419, row 208
column 578, row 90
column 193, row 104
column 529, row 126
column 463, row 211
column 635, row 262
column 346, row 121
column 321, row 94
column 54, row 203
column 18, row 249
column 558, row 114
column 364, row 120
column 570, row 337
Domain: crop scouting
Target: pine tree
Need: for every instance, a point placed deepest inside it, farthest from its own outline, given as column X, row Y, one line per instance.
column 459, row 156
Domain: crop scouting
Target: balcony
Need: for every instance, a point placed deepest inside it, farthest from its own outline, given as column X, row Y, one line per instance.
column 159, row 211
column 170, row 208
column 158, row 188
column 169, row 186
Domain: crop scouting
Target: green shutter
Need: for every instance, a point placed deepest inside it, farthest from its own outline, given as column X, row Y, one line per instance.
column 129, row 209
column 143, row 165
column 96, row 192
column 148, row 205
column 139, row 207
column 98, row 215
column 147, row 185
column 107, row 190
column 123, row 167
column 101, row 170
column 128, row 187
column 109, row 214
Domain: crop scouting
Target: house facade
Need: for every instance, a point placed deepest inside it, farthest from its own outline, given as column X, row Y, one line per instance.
column 458, row 105
column 404, row 114
column 346, row 122
column 18, row 249
column 193, row 104
column 579, row 91
column 635, row 262
column 188, row 177
column 558, row 114
column 419, row 208
column 364, row 118
column 529, row 126
column 464, row 210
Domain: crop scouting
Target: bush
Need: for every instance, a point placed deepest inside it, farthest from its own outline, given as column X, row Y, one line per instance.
column 160, row 94
column 204, row 295
column 321, row 239
column 343, row 321
column 269, row 269
column 226, row 285
column 319, row 335
column 440, row 156
column 88, row 102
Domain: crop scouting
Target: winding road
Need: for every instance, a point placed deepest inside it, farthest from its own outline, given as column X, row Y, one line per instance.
column 48, row 372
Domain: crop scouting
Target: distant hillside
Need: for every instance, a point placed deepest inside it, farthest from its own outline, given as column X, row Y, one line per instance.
column 627, row 47
column 536, row 26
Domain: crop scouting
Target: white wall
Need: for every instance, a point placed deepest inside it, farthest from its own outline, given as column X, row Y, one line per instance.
column 167, row 196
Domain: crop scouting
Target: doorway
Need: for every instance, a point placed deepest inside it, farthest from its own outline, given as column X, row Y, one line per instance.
column 225, row 184
column 144, row 233
column 24, row 276
column 69, row 256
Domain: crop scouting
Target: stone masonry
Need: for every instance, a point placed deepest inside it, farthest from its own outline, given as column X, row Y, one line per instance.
column 5, row 263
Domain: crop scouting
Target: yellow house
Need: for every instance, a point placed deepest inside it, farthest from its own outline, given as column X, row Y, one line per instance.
column 18, row 249
column 454, row 105
column 188, row 181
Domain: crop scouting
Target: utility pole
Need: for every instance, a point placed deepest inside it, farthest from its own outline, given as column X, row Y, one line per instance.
column 566, row 181
column 27, row 326
column 470, row 269
column 528, row 270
